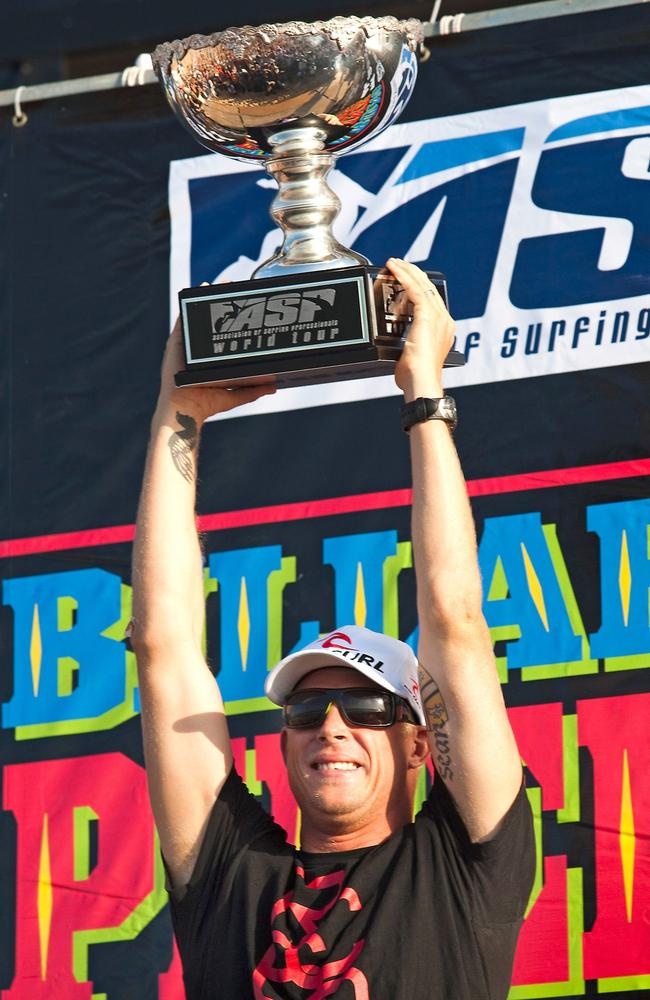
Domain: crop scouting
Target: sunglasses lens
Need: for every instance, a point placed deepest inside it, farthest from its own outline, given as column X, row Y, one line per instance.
column 305, row 709
column 373, row 709
column 368, row 708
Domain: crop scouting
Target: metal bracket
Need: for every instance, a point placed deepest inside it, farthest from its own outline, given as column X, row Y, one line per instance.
column 19, row 117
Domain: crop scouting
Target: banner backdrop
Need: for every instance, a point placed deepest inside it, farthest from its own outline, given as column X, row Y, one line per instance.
column 521, row 170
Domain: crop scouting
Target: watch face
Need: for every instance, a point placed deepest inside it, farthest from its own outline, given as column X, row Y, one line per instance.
column 449, row 410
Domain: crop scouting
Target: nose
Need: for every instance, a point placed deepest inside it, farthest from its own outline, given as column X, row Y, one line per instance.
column 333, row 726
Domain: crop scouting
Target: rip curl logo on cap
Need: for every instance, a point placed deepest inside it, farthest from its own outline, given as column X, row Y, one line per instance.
column 329, row 643
column 413, row 689
column 349, row 652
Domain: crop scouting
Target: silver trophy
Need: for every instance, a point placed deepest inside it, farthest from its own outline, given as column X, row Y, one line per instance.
column 293, row 97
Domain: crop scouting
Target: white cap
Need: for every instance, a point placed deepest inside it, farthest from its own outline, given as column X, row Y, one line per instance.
column 386, row 661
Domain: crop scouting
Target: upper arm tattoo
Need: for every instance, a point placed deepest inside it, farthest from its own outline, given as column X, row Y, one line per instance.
column 435, row 712
column 181, row 445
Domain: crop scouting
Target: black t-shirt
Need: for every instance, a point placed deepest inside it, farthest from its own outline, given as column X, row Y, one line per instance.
column 427, row 915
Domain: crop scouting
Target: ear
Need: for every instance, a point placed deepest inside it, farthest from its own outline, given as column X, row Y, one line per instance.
column 420, row 748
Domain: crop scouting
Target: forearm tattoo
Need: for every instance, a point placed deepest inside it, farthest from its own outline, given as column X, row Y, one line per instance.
column 182, row 444
column 435, row 712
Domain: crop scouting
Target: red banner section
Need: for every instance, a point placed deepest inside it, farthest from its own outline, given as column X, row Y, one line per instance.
column 545, row 479
column 86, row 868
column 87, row 871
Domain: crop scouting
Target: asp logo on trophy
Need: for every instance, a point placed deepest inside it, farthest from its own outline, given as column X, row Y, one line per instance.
column 284, row 320
column 235, row 315
column 539, row 215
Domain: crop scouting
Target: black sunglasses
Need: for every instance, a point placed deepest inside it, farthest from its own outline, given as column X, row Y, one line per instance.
column 359, row 707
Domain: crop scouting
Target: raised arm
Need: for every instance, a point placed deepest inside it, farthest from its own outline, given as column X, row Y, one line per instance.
column 186, row 742
column 472, row 744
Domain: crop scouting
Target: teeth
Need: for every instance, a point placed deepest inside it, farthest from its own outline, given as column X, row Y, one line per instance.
column 337, row 765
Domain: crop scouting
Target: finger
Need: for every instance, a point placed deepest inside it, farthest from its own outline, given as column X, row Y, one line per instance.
column 412, row 275
column 419, row 277
column 416, row 284
column 422, row 283
column 422, row 293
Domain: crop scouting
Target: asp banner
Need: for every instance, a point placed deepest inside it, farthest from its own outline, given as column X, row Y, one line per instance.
column 537, row 213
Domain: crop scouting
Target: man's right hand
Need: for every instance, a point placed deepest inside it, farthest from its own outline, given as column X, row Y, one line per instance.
column 202, row 401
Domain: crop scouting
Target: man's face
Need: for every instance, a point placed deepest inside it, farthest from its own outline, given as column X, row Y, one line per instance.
column 346, row 778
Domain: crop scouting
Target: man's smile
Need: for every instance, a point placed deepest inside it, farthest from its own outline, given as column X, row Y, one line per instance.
column 335, row 765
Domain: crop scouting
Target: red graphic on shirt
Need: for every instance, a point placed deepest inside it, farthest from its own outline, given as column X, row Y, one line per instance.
column 294, row 928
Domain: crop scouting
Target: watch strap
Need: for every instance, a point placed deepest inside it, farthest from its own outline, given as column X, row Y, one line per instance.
column 423, row 409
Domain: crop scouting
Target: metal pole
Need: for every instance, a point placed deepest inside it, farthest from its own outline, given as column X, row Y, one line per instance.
column 67, row 88
column 523, row 12
column 452, row 24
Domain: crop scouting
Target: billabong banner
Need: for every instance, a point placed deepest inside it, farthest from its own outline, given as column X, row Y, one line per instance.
column 538, row 214
column 520, row 168
column 577, row 697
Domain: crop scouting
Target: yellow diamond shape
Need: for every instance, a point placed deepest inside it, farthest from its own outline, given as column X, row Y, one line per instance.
column 360, row 610
column 44, row 899
column 36, row 651
column 625, row 578
column 627, row 840
column 243, row 623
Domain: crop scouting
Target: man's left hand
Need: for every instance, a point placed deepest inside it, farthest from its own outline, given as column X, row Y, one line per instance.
column 430, row 337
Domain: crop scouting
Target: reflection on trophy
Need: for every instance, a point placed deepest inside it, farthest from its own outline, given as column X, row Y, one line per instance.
column 294, row 96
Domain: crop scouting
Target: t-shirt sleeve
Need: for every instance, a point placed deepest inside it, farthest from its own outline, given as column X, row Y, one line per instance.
column 237, row 824
column 499, row 871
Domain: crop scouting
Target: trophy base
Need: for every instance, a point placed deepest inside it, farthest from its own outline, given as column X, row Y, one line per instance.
column 301, row 372
column 302, row 329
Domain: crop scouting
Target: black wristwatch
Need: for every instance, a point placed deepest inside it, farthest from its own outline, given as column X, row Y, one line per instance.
column 422, row 409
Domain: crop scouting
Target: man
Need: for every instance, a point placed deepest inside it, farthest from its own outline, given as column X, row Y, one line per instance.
column 371, row 905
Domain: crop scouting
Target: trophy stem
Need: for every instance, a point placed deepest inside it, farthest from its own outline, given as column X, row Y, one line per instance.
column 305, row 207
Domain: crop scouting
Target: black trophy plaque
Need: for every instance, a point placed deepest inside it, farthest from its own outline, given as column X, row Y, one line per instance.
column 302, row 329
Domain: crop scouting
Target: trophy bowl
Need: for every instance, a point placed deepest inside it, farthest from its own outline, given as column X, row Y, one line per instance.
column 294, row 96
column 238, row 90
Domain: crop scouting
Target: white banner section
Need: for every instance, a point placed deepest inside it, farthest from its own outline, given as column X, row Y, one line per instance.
column 539, row 215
